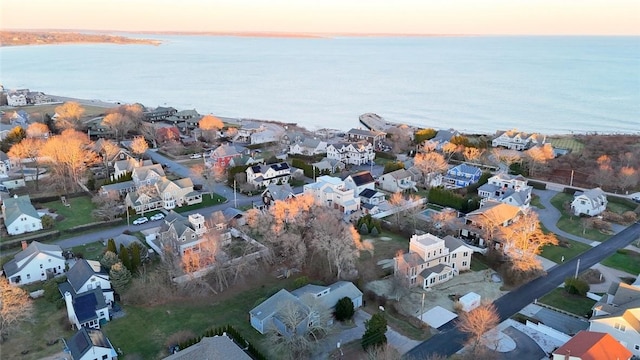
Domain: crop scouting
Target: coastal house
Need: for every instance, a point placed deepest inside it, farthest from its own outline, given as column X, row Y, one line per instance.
column 434, row 179
column 36, row 262
column 397, row 181
column 268, row 315
column 371, row 197
column 490, row 214
column 90, row 344
column 275, row 192
column 516, row 140
column 20, row 216
column 591, row 345
column 308, row 147
column 87, row 309
column 509, row 189
column 247, row 129
column 219, row 347
column 5, row 165
column 182, row 234
column 332, row 192
column 121, row 154
column 16, row 100
column 158, row 114
column 442, row 138
column 264, row 137
column 351, row 153
column 222, row 155
column 372, row 137
column 360, row 181
column 618, row 313
column 87, row 275
column 329, row 166
column 461, row 176
column 246, row 160
column 432, row 260
column 591, row 202
column 263, row 175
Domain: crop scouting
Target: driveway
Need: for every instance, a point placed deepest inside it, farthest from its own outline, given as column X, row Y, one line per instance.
column 526, row 348
column 550, row 216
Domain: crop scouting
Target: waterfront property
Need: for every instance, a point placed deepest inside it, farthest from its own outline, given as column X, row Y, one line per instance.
column 461, row 176
column 333, row 192
column 516, row 140
column 353, row 153
column 509, row 189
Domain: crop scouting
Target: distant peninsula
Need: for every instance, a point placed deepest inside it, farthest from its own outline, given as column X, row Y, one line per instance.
column 17, row 38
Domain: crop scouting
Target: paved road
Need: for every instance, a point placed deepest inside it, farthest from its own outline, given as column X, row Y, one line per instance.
column 550, row 216
column 526, row 348
column 450, row 340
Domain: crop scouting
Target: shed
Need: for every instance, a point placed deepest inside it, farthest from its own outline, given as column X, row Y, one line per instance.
column 470, row 301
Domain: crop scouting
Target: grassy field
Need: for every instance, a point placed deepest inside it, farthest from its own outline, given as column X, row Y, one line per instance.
column 91, row 251
column 575, row 304
column 573, row 224
column 624, row 260
column 144, row 330
column 566, row 142
column 48, row 325
column 556, row 252
column 78, row 213
column 37, row 113
column 206, row 201
column 620, row 206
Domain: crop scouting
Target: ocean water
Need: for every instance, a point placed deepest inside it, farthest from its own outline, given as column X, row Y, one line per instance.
column 480, row 84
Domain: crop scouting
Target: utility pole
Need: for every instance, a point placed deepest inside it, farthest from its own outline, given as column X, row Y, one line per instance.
column 577, row 268
column 571, row 180
column 235, row 198
column 422, row 306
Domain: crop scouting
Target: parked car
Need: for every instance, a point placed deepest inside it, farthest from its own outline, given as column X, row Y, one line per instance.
column 195, row 156
column 636, row 198
column 140, row 220
column 156, row 217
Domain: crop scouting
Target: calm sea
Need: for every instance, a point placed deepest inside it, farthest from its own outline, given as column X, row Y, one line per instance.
column 544, row 84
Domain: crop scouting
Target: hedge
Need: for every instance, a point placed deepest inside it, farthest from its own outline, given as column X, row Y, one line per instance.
column 385, row 155
column 537, row 185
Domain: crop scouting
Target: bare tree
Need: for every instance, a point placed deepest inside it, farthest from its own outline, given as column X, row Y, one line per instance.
column 523, row 240
column 477, row 322
column 539, row 155
column 628, row 177
column 118, row 123
column 149, row 133
column 430, row 163
column 107, row 207
column 209, row 175
column 449, row 149
column 15, row 307
column 384, row 352
column 28, row 149
column 139, row 146
column 472, row 153
column 69, row 115
column 107, row 151
column 37, row 130
column 209, row 124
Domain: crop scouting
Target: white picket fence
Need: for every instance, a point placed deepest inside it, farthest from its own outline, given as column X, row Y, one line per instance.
column 394, row 210
column 549, row 331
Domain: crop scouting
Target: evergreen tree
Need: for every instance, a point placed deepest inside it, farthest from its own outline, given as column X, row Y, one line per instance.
column 124, row 257
column 109, row 259
column 111, row 246
column 344, row 309
column 120, row 277
column 375, row 329
column 135, row 257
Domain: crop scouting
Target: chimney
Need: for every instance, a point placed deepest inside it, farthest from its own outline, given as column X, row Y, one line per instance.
column 24, row 244
column 71, row 313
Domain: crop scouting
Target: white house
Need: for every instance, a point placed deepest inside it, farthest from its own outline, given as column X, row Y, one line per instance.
column 264, row 175
column 308, row 147
column 182, row 234
column 90, row 344
column 509, row 189
column 491, row 213
column 352, row 153
column 329, row 165
column 360, row 181
column 20, row 216
column 332, row 192
column 371, row 197
column 591, row 202
column 516, row 140
column 16, row 99
column 5, row 165
column 36, row 262
column 88, row 309
column 397, row 181
column 432, row 260
column 87, row 275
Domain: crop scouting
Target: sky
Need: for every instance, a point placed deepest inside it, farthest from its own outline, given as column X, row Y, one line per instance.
column 495, row 17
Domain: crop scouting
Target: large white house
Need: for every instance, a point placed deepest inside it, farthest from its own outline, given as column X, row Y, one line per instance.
column 87, row 275
column 308, row 147
column 591, row 202
column 516, row 140
column 509, row 189
column 397, row 181
column 36, row 262
column 87, row 294
column 432, row 260
column 352, row 153
column 90, row 344
column 264, row 175
column 20, row 216
column 332, row 192
column 360, row 181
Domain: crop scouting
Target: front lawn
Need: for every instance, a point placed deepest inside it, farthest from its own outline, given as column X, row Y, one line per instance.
column 206, row 202
column 535, row 201
column 575, row 304
column 78, row 213
column 574, row 224
column 624, row 260
column 478, row 262
column 619, row 205
column 92, row 251
column 567, row 248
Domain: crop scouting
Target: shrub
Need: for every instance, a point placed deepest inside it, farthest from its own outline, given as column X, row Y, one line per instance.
column 344, row 309
column 629, row 217
column 576, row 286
column 537, row 185
column 301, row 281
column 392, row 166
column 375, row 329
column 364, row 229
column 47, row 221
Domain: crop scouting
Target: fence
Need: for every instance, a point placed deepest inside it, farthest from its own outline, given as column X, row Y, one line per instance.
column 549, row 331
column 397, row 209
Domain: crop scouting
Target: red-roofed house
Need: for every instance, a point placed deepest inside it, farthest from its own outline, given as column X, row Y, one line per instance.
column 589, row 345
column 222, row 155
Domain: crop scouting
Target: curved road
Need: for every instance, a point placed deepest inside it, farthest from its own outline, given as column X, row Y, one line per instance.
column 450, row 340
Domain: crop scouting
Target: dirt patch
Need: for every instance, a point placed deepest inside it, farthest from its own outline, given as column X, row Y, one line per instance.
column 472, row 281
column 592, row 276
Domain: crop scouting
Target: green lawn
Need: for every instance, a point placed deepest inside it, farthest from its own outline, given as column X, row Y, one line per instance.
column 79, row 213
column 92, row 251
column 556, row 252
column 620, row 206
column 206, row 202
column 144, row 330
column 573, row 224
column 477, row 263
column 624, row 260
column 535, row 201
column 567, row 142
column 575, row 304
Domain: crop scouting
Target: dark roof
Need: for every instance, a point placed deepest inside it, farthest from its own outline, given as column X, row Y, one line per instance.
column 362, row 178
column 87, row 303
column 368, row 193
column 232, row 213
column 433, row 270
column 280, row 166
column 79, row 274
column 82, row 341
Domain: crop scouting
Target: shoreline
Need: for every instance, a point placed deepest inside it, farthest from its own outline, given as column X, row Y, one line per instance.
column 32, row 38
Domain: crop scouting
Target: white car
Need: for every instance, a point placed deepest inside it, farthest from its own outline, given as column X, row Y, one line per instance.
column 140, row 220
column 195, row 156
column 156, row 217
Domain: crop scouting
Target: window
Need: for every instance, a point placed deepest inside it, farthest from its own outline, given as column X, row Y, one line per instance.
column 636, row 347
column 28, row 276
column 105, row 357
column 453, row 256
column 620, row 327
column 41, row 266
column 464, row 263
column 465, row 254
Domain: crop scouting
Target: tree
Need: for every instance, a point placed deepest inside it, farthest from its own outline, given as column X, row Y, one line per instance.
column 118, row 123
column 386, row 352
column 139, row 145
column 209, row 124
column 136, row 258
column 111, row 246
column 344, row 309
column 628, row 177
column 13, row 137
column 478, row 322
column 69, row 115
column 209, row 175
column 109, row 259
column 576, row 286
column 28, row 149
column 15, row 307
column 523, row 240
column 120, row 277
column 430, row 163
column 124, row 257
column 375, row 329
column 423, row 135
column 107, row 151
column 472, row 153
column 539, row 155
column 37, row 130
column 107, row 208
column 392, row 166
column 47, row 221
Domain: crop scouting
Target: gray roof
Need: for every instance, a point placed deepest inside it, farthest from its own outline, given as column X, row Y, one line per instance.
column 126, row 240
column 118, row 186
column 433, row 270
column 270, row 306
column 279, row 192
column 85, row 339
column 30, row 253
column 80, row 273
column 211, row 348
column 232, row 213
column 452, row 243
column 337, row 291
column 18, row 206
column 3, row 156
